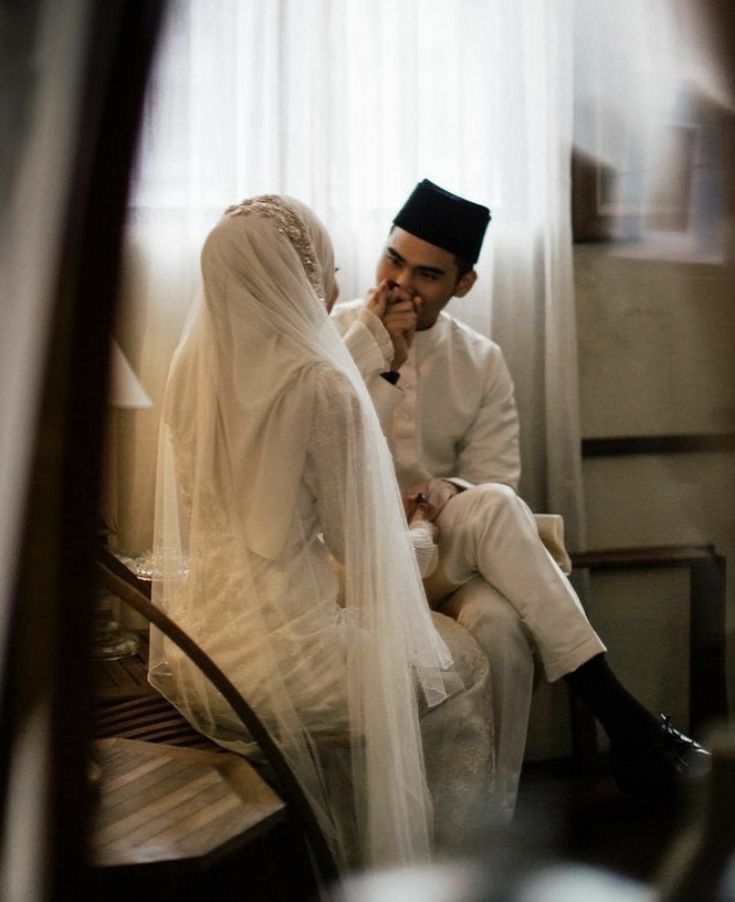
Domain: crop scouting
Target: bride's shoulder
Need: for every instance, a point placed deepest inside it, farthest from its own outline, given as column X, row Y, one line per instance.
column 327, row 377
column 334, row 393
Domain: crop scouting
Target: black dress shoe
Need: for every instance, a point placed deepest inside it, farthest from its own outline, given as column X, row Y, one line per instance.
column 657, row 763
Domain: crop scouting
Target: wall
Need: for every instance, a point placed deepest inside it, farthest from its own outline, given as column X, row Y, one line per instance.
column 654, row 195
column 656, row 357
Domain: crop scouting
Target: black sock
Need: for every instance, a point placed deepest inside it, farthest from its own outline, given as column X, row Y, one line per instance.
column 622, row 716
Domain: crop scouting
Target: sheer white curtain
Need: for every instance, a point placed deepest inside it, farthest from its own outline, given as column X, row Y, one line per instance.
column 346, row 104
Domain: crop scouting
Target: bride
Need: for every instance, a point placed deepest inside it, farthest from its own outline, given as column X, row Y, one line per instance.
column 271, row 466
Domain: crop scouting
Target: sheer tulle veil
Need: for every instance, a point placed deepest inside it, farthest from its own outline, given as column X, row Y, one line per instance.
column 243, row 535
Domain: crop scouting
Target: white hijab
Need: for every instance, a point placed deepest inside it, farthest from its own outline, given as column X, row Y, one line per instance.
column 232, row 451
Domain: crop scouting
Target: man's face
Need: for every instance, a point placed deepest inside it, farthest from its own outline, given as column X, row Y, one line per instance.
column 423, row 269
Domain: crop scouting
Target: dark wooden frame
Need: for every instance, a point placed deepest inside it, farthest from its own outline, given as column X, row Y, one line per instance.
column 50, row 615
column 616, row 446
column 590, row 222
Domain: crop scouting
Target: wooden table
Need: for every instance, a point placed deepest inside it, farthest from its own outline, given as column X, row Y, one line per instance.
column 186, row 825
column 178, row 817
column 160, row 805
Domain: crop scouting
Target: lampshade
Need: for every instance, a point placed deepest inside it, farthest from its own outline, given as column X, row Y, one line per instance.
column 125, row 389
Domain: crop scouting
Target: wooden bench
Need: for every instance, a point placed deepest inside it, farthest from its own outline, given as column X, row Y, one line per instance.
column 708, row 701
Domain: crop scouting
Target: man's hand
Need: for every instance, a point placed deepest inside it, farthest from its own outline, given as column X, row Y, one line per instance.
column 417, row 513
column 437, row 492
column 398, row 311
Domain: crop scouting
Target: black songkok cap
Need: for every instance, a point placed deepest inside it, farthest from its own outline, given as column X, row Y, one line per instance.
column 446, row 220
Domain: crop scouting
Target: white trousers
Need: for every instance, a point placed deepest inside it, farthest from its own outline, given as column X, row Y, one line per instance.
column 497, row 579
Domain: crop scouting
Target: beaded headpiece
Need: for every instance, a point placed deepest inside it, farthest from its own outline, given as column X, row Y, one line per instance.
column 290, row 224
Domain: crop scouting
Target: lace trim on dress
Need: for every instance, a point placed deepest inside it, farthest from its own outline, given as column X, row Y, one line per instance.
column 290, row 224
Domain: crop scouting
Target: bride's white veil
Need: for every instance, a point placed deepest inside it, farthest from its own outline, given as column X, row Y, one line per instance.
column 270, row 452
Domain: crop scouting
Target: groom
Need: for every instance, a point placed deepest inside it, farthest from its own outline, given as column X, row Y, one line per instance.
column 445, row 399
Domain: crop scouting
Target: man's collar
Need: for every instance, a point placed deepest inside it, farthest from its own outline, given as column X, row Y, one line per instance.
column 426, row 339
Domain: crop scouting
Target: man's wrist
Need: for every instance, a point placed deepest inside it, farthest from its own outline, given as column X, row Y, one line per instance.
column 372, row 322
column 458, row 487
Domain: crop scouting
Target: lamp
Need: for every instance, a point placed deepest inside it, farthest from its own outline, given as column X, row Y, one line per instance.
column 110, row 642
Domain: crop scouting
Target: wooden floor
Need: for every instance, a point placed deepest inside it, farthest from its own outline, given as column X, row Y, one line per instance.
column 561, row 819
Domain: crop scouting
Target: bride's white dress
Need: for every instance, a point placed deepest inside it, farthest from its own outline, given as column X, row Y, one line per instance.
column 299, row 600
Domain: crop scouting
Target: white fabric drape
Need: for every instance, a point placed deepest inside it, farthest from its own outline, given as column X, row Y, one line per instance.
column 346, row 105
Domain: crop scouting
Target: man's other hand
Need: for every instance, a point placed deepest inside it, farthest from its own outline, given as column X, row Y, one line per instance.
column 417, row 513
column 438, row 493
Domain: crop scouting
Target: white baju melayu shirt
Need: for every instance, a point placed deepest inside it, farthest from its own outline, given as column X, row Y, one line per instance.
column 452, row 413
column 371, row 349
